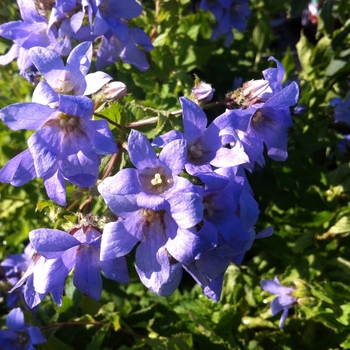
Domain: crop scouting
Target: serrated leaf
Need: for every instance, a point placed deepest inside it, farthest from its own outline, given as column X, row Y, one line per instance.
column 114, row 113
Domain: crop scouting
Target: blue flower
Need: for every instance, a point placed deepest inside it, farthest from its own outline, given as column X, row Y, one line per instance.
column 67, row 144
column 71, row 79
column 265, row 118
column 32, row 31
column 341, row 109
column 19, row 335
column 229, row 14
column 14, row 266
column 79, row 249
column 57, row 254
column 284, row 300
column 204, row 144
column 157, row 208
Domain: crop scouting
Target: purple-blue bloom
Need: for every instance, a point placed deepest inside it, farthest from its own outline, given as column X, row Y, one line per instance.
column 157, row 208
column 67, row 144
column 229, row 14
column 19, row 336
column 14, row 266
column 204, row 144
column 266, row 119
column 284, row 300
column 341, row 109
column 108, row 19
column 80, row 249
column 71, row 79
column 32, row 31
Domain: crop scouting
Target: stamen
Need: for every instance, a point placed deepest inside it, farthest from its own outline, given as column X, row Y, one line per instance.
column 157, row 180
column 197, row 150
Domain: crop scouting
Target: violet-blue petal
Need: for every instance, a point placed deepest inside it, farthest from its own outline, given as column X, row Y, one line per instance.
column 44, row 94
column 51, row 243
column 18, row 170
column 141, row 153
column 100, row 136
column 162, row 140
column 31, row 297
column 78, row 163
column 108, row 51
column 152, row 261
column 174, row 155
column 15, row 320
column 28, row 11
column 116, row 270
column 47, row 62
column 287, row 97
column 80, row 58
column 276, row 307
column 26, row 115
column 80, row 106
column 187, row 245
column 226, row 157
column 44, row 146
column 236, row 119
column 49, row 274
column 274, row 287
column 214, row 288
column 87, row 275
column 283, row 318
column 148, row 201
column 95, row 81
column 186, row 209
column 55, row 186
column 120, row 191
column 116, row 241
column 36, row 337
column 155, row 271
column 194, row 119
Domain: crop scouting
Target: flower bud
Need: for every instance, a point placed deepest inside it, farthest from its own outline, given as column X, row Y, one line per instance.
column 114, row 90
column 203, row 92
column 255, row 89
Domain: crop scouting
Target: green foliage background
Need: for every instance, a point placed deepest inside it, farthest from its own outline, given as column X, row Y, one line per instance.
column 305, row 199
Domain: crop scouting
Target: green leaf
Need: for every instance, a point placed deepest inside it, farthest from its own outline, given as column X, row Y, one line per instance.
column 334, row 67
column 326, row 17
column 297, row 7
column 98, row 338
column 256, row 322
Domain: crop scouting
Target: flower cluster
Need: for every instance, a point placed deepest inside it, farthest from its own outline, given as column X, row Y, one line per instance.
column 199, row 226
column 56, row 25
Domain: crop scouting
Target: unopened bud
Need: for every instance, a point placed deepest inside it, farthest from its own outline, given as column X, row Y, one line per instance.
column 255, row 88
column 114, row 90
column 203, row 92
